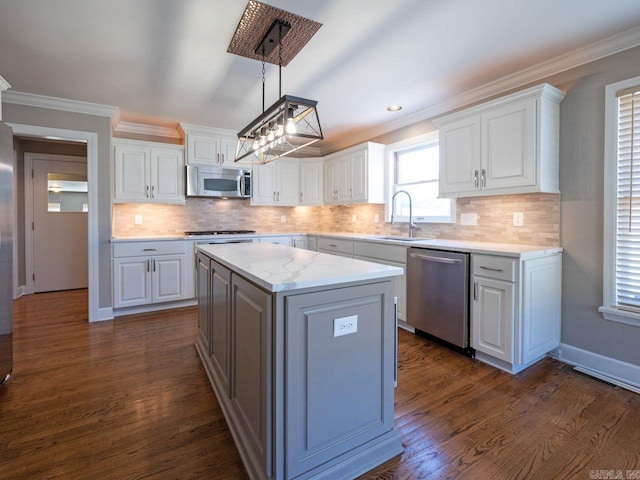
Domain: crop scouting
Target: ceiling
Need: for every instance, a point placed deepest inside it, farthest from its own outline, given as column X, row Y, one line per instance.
column 166, row 61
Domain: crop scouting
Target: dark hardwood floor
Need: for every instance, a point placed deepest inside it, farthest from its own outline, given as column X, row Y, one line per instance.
column 128, row 399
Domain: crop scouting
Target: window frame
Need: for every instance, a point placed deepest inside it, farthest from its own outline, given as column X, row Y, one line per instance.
column 410, row 144
column 609, row 309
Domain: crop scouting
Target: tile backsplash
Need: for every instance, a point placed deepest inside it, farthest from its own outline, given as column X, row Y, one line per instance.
column 495, row 219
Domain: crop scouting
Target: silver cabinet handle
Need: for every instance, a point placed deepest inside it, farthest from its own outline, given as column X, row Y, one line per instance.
column 149, row 249
column 218, row 158
column 333, row 245
column 475, row 290
column 429, row 258
column 484, row 178
column 147, row 191
column 350, row 193
column 154, row 265
column 278, row 196
column 148, row 265
column 274, row 196
column 491, row 269
column 153, row 189
column 300, row 196
column 221, row 158
column 475, row 179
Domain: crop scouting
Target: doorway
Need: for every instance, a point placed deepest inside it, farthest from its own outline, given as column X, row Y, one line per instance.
column 56, row 207
column 91, row 140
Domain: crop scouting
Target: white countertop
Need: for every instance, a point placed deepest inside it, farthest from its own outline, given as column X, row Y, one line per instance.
column 465, row 246
column 278, row 268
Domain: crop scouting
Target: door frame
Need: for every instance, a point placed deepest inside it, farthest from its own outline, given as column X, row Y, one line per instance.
column 29, row 157
column 91, row 139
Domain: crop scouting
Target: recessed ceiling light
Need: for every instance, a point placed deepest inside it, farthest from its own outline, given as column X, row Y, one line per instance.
column 394, row 108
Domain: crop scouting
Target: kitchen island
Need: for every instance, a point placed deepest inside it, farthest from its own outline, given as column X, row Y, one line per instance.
column 300, row 348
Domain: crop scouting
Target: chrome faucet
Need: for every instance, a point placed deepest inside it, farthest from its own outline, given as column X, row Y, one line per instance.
column 412, row 226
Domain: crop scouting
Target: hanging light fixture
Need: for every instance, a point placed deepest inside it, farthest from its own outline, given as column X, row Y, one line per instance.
column 291, row 123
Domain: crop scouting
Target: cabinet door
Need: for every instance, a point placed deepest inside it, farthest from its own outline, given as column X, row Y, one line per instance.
column 330, row 182
column 131, row 171
column 220, row 334
column 167, row 175
column 508, row 146
column 228, row 153
column 287, row 182
column 204, row 299
column 250, row 386
column 493, row 317
column 311, row 182
column 169, row 277
column 203, row 149
column 460, row 156
column 131, row 281
column 263, row 185
column 343, row 181
column 358, row 178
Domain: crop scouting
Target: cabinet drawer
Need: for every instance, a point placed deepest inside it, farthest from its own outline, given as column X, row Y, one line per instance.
column 500, row 268
column 337, row 245
column 393, row 253
column 135, row 249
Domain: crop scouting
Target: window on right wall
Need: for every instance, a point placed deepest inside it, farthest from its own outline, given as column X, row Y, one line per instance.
column 413, row 167
column 621, row 262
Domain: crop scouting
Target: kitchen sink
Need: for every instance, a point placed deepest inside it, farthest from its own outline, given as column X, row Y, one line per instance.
column 402, row 239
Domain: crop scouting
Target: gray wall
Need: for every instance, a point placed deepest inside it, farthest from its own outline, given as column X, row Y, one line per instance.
column 42, row 117
column 581, row 209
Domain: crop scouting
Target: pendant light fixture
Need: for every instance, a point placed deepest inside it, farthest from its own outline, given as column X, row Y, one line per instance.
column 292, row 122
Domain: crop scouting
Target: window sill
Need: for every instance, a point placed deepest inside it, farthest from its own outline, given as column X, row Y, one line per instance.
column 621, row 316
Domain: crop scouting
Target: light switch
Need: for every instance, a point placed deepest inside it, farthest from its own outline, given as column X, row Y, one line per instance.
column 137, row 219
column 283, row 219
column 376, row 218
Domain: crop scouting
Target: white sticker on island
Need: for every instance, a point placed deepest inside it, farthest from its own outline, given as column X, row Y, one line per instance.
column 345, row 325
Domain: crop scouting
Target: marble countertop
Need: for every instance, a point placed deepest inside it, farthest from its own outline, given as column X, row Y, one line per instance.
column 465, row 246
column 280, row 268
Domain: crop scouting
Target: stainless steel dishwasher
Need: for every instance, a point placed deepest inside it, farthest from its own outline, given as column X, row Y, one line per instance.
column 438, row 295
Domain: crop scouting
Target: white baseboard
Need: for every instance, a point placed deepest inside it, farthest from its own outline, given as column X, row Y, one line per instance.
column 623, row 374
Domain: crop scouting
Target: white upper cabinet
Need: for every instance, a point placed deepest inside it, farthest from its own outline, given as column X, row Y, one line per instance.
column 355, row 175
column 210, row 146
column 148, row 172
column 276, row 183
column 508, row 145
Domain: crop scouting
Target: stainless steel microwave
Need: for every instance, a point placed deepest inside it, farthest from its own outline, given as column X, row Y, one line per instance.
column 218, row 182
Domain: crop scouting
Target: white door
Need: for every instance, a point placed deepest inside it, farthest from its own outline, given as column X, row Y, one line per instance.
column 493, row 317
column 167, row 180
column 60, row 238
column 460, row 156
column 287, row 181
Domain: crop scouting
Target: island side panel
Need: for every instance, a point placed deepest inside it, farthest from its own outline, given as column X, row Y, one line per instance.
column 339, row 389
column 252, row 319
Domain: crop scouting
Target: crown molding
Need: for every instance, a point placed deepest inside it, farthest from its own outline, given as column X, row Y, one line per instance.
column 589, row 53
column 189, row 128
column 141, row 129
column 3, row 84
column 43, row 101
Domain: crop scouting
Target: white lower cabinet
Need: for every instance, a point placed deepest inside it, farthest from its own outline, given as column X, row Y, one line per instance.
column 393, row 255
column 151, row 272
column 515, row 313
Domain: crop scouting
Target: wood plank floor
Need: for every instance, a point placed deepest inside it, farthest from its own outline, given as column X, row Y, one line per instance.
column 128, row 399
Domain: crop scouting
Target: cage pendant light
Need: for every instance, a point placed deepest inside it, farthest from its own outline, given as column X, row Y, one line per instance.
column 291, row 123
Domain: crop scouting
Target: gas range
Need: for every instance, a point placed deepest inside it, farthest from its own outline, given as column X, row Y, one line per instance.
column 219, row 232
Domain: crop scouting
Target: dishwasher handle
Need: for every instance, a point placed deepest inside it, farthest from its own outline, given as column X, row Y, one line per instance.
column 429, row 258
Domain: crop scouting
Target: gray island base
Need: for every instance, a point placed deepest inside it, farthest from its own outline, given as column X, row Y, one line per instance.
column 300, row 348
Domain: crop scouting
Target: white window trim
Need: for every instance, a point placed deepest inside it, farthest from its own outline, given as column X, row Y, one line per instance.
column 609, row 309
column 389, row 169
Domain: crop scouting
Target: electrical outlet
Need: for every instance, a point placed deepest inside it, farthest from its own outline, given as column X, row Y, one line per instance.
column 469, row 219
column 345, row 325
column 283, row 219
column 137, row 219
column 518, row 219
column 354, row 218
column 376, row 218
